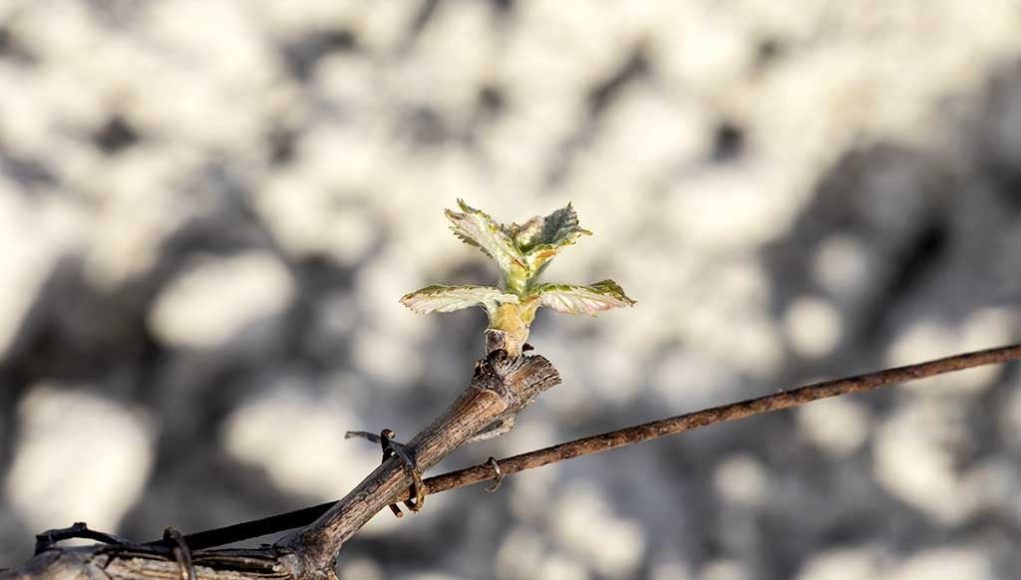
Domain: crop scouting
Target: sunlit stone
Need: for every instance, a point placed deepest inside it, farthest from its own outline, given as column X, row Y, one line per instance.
column 741, row 479
column 913, row 460
column 520, row 554
column 950, row 562
column 813, row 326
column 53, row 229
column 838, row 425
column 584, row 525
column 840, row 565
column 80, row 457
column 557, row 567
column 219, row 298
column 841, row 266
column 360, row 569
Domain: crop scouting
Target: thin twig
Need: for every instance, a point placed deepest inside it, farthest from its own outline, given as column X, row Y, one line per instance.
column 80, row 530
column 254, row 528
column 627, row 436
column 722, row 414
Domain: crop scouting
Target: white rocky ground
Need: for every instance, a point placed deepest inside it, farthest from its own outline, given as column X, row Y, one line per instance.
column 209, row 209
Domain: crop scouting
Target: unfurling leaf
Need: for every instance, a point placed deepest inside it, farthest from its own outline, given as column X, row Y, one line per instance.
column 477, row 228
column 439, row 298
column 526, row 235
column 561, row 227
column 576, row 299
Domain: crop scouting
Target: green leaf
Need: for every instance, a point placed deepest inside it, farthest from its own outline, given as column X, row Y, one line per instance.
column 576, row 299
column 478, row 229
column 439, row 298
column 559, row 229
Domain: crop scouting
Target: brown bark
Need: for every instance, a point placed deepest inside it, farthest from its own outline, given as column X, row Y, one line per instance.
column 127, row 563
column 501, row 386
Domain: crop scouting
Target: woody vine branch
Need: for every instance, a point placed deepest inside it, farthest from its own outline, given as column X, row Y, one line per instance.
column 635, row 434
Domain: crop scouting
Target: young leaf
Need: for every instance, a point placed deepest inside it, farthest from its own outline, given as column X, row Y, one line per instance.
column 439, row 298
column 576, row 299
column 526, row 235
column 477, row 228
column 559, row 229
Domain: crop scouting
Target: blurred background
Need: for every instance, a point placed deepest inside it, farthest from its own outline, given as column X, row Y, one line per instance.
column 208, row 211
